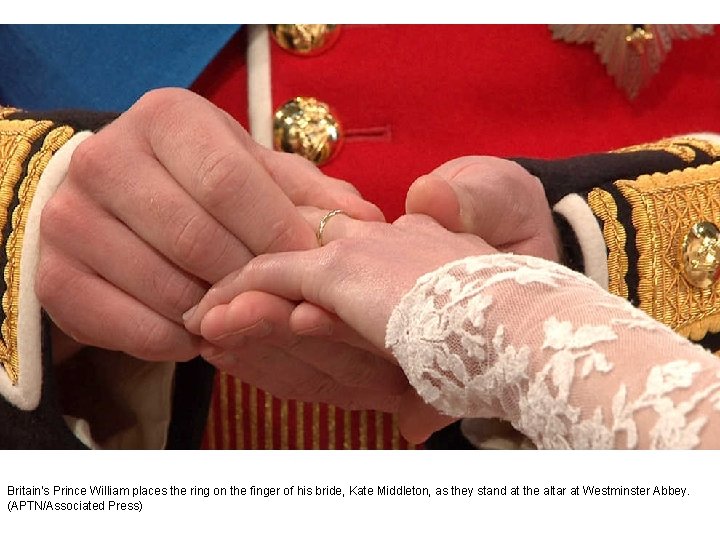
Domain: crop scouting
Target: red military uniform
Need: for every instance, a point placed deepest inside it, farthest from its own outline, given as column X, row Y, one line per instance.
column 412, row 97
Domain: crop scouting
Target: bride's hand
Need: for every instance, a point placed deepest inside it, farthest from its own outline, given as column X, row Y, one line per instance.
column 359, row 275
column 356, row 279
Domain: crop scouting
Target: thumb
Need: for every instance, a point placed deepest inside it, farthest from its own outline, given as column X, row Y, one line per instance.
column 489, row 197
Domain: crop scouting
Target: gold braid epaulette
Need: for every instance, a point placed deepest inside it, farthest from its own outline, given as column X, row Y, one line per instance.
column 603, row 206
column 663, row 208
column 26, row 147
column 684, row 148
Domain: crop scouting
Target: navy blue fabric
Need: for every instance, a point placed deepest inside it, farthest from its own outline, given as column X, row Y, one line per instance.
column 102, row 67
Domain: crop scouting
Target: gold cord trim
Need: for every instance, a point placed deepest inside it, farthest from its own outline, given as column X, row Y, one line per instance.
column 267, row 444
column 395, row 445
column 16, row 140
column 710, row 148
column 664, row 208
column 284, row 428
column 603, row 206
column 682, row 147
column 347, row 439
column 254, row 416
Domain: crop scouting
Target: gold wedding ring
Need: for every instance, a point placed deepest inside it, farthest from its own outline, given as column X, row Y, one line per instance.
column 323, row 223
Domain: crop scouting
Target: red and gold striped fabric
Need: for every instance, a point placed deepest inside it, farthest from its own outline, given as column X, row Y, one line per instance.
column 244, row 417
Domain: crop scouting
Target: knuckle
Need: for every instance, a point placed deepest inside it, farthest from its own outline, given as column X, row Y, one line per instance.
column 235, row 280
column 49, row 281
column 219, row 177
column 297, row 191
column 285, row 235
column 188, row 244
column 536, row 188
column 56, row 217
column 52, row 281
column 513, row 170
column 178, row 292
column 158, row 113
column 198, row 244
column 154, row 339
column 344, row 254
column 519, row 179
column 333, row 252
column 96, row 166
column 414, row 221
column 88, row 160
column 156, row 101
column 405, row 219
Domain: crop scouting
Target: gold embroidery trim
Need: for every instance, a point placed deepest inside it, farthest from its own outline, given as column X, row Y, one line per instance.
column 681, row 147
column 603, row 206
column 16, row 140
column 664, row 207
column 710, row 148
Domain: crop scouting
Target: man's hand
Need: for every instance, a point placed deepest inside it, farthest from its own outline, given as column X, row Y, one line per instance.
column 168, row 198
column 492, row 198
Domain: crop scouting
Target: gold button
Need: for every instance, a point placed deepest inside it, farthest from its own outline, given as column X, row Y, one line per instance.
column 305, row 38
column 305, row 126
column 701, row 254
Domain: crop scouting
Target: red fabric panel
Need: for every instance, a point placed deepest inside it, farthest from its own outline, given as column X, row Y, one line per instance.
column 439, row 92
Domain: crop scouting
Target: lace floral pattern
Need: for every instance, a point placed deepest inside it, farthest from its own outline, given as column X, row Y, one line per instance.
column 568, row 364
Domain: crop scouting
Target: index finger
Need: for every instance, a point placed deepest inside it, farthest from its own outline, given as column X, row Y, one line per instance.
column 194, row 142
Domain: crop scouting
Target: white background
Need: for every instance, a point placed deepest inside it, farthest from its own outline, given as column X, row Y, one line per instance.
column 346, row 518
column 364, row 11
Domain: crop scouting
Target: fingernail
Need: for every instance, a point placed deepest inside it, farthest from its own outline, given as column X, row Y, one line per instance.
column 465, row 210
column 322, row 330
column 260, row 329
column 257, row 330
column 189, row 313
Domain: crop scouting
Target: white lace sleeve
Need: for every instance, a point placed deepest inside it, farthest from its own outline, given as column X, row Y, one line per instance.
column 568, row 364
